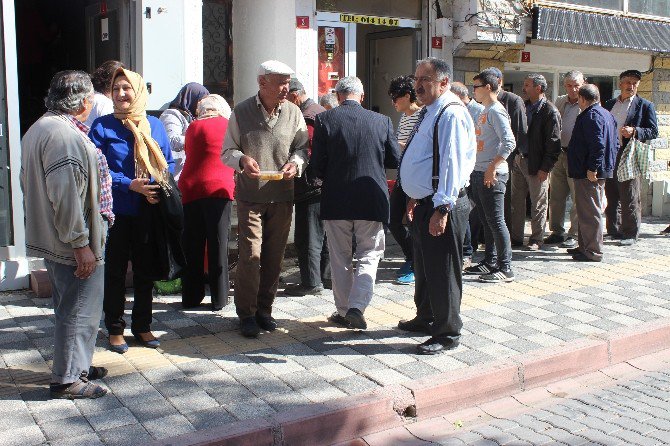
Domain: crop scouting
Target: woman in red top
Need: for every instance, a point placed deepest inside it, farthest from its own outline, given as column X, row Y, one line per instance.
column 207, row 187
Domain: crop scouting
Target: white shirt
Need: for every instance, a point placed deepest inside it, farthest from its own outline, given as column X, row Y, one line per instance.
column 102, row 106
column 620, row 112
column 458, row 148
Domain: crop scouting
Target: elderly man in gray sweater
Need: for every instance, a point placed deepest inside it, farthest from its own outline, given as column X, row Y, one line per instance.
column 495, row 142
column 67, row 189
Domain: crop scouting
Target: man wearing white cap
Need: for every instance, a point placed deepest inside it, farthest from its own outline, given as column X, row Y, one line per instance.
column 265, row 133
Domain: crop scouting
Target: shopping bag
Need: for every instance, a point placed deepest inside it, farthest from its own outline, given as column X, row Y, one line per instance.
column 629, row 167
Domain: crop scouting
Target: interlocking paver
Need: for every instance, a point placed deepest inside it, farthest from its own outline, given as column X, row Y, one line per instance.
column 205, row 368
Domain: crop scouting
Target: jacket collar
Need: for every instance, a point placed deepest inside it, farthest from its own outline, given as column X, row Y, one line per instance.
column 635, row 104
column 351, row 102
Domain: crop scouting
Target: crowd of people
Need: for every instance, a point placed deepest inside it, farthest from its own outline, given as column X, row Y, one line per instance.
column 105, row 183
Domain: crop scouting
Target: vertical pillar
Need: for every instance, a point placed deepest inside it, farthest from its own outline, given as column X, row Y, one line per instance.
column 262, row 30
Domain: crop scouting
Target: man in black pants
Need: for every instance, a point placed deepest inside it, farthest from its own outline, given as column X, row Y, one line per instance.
column 310, row 236
column 438, row 211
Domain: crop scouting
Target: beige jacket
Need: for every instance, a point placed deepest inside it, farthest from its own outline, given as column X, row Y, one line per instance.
column 59, row 179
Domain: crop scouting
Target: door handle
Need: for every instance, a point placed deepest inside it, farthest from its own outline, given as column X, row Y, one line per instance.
column 149, row 87
column 147, row 12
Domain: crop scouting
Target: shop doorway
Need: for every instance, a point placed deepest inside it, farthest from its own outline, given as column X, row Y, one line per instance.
column 375, row 49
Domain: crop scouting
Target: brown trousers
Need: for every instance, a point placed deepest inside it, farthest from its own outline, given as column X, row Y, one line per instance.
column 263, row 231
column 589, row 204
column 522, row 184
column 624, row 210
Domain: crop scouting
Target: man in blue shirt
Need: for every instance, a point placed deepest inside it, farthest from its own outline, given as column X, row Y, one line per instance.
column 438, row 210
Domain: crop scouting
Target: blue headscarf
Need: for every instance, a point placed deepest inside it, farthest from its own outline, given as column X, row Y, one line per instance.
column 188, row 97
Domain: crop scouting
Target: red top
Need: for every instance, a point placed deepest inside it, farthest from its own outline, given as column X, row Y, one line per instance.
column 204, row 174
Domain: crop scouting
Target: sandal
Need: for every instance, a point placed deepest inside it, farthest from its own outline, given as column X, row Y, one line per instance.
column 96, row 373
column 79, row 390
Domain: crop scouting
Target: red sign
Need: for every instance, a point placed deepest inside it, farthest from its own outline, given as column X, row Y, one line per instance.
column 302, row 21
column 436, row 43
column 103, row 8
column 525, row 56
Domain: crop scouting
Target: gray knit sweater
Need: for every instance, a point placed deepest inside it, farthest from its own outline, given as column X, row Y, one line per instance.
column 59, row 179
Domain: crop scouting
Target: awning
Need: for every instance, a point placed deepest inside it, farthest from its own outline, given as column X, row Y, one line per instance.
column 586, row 28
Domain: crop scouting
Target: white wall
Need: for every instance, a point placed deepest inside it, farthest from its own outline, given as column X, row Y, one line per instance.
column 262, row 30
column 13, row 263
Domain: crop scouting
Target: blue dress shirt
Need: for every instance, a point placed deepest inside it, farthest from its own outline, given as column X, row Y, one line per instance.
column 116, row 142
column 458, row 148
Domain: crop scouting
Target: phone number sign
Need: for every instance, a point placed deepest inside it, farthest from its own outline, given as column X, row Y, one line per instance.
column 369, row 20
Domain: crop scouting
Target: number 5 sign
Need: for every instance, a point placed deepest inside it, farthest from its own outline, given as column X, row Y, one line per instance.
column 302, row 21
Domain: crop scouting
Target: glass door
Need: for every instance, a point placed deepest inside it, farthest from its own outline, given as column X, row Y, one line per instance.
column 6, row 230
column 337, row 51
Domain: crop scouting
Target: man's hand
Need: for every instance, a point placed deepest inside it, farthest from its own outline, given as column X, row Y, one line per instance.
column 85, row 262
column 592, row 176
column 250, row 167
column 411, row 204
column 142, row 186
column 290, row 170
column 437, row 224
column 153, row 200
column 627, row 132
column 542, row 175
column 490, row 176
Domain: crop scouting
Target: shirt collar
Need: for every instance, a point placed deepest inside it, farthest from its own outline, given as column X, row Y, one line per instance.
column 76, row 122
column 446, row 98
column 626, row 101
column 276, row 111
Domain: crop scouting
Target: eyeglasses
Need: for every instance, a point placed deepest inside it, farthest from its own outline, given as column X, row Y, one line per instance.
column 395, row 98
column 474, row 87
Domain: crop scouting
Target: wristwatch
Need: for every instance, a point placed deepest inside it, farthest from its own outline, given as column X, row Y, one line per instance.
column 443, row 209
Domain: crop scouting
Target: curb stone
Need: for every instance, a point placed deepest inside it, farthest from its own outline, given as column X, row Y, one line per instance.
column 356, row 416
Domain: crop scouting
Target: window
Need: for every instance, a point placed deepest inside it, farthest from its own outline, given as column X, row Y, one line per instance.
column 604, row 4
column 659, row 8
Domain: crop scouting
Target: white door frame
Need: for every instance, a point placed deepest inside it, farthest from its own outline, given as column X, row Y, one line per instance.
column 333, row 20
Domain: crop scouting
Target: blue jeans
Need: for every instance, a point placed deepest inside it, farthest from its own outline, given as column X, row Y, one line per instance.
column 490, row 206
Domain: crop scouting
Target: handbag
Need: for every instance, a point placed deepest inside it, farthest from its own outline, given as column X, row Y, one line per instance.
column 634, row 162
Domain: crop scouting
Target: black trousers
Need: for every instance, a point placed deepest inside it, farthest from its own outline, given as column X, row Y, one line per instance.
column 122, row 245
column 206, row 222
column 624, row 210
column 398, row 202
column 311, row 243
column 438, row 263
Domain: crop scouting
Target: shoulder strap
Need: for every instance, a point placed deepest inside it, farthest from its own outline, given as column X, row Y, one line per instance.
column 436, row 147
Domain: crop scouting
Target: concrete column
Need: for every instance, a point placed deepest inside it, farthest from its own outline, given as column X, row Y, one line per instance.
column 262, row 30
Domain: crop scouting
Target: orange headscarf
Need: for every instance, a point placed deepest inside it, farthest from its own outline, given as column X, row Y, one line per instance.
column 149, row 159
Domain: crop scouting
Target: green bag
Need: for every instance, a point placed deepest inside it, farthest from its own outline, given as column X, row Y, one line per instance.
column 168, row 287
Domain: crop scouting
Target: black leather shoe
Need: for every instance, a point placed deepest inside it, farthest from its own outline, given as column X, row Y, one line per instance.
column 249, row 327
column 267, row 323
column 581, row 257
column 415, row 325
column 573, row 250
column 338, row 319
column 356, row 319
column 433, row 346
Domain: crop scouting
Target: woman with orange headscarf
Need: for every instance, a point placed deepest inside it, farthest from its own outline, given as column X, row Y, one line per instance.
column 139, row 157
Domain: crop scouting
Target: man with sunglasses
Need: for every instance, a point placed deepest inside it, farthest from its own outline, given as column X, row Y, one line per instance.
column 438, row 210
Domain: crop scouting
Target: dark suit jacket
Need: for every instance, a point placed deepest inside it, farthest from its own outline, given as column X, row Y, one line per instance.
column 544, row 139
column 642, row 116
column 594, row 144
column 517, row 116
column 350, row 149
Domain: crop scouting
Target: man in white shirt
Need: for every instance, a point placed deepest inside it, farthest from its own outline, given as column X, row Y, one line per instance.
column 560, row 185
column 438, row 208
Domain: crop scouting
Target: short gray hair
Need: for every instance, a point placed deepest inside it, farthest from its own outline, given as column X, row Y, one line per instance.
column 442, row 68
column 590, row 93
column 349, row 85
column 460, row 90
column 574, row 75
column 329, row 100
column 67, row 91
column 538, row 80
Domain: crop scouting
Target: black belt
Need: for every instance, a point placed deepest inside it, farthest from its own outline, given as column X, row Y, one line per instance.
column 429, row 199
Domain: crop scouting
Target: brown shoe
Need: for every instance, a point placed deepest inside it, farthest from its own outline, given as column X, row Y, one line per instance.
column 82, row 389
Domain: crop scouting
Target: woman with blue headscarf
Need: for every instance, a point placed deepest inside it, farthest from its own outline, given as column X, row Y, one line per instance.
column 177, row 117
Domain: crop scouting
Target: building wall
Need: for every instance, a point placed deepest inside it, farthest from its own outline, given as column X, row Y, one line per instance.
column 655, row 86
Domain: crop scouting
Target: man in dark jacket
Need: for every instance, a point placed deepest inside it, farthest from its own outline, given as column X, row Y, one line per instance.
column 534, row 162
column 591, row 157
column 516, row 109
column 350, row 149
column 636, row 118
column 310, row 237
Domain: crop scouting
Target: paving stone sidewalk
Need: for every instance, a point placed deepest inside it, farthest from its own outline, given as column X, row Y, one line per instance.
column 620, row 405
column 206, row 374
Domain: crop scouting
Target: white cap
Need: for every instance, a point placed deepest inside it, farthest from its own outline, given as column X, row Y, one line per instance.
column 274, row 67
